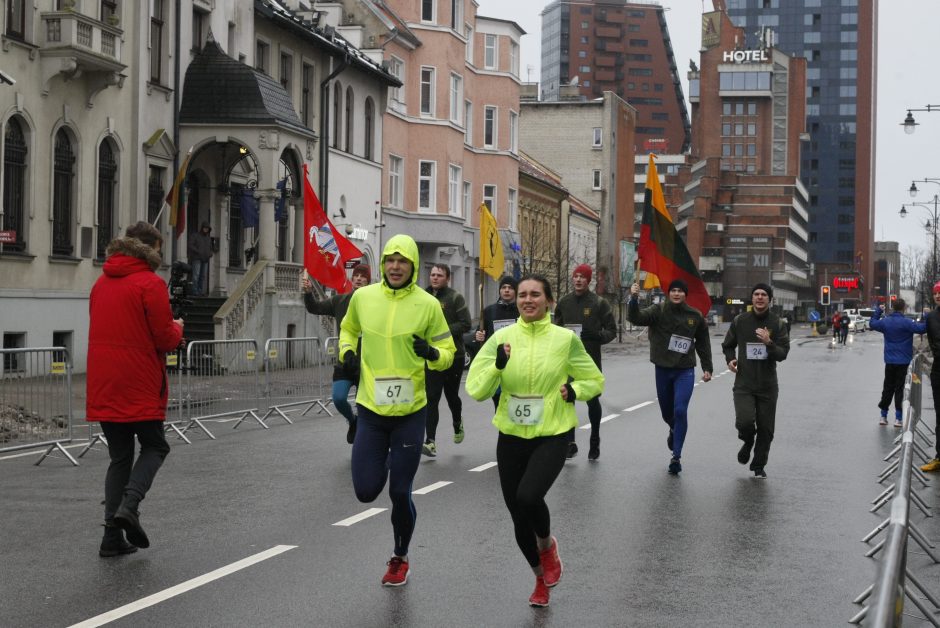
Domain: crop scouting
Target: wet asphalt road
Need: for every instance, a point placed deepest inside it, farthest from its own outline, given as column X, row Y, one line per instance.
column 712, row 547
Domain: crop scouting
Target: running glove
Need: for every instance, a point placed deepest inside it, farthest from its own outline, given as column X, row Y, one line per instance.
column 423, row 349
column 501, row 357
column 350, row 362
column 571, row 394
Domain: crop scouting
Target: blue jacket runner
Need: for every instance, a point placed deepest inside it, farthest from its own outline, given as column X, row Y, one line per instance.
column 899, row 335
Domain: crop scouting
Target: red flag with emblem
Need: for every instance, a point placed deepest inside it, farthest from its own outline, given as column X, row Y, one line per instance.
column 325, row 249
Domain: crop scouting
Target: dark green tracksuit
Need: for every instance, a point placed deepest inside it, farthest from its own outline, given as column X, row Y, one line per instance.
column 598, row 327
column 755, row 385
column 457, row 315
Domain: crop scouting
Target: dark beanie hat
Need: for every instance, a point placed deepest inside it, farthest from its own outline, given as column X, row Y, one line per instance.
column 362, row 269
column 765, row 288
column 583, row 269
column 681, row 285
column 509, row 280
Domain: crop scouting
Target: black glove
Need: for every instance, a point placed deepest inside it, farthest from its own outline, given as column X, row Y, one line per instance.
column 350, row 362
column 571, row 394
column 501, row 357
column 423, row 349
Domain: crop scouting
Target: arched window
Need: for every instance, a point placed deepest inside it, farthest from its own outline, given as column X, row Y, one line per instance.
column 63, row 176
column 14, row 184
column 337, row 110
column 350, row 114
column 107, row 196
column 369, row 128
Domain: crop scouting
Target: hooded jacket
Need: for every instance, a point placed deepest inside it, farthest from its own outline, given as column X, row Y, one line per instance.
column 756, row 376
column 387, row 318
column 668, row 319
column 899, row 333
column 131, row 329
column 542, row 358
column 456, row 313
column 595, row 317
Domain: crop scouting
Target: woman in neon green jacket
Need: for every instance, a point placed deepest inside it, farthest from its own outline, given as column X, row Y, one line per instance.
column 533, row 361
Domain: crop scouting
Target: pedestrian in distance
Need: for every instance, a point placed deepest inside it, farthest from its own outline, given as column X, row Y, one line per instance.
column 591, row 319
column 933, row 339
column 343, row 379
column 844, row 322
column 131, row 329
column 498, row 315
column 677, row 331
column 402, row 329
column 457, row 315
column 755, row 342
column 542, row 369
column 899, row 334
column 199, row 252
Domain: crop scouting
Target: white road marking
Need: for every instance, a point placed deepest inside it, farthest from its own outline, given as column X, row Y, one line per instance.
column 430, row 487
column 603, row 420
column 361, row 516
column 189, row 585
column 637, row 406
column 483, row 467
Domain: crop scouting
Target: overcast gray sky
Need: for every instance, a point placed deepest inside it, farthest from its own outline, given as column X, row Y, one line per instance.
column 907, row 44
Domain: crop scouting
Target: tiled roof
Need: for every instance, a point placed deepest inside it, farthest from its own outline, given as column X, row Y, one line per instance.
column 220, row 90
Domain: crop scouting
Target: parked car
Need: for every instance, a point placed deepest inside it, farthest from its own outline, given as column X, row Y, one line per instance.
column 857, row 323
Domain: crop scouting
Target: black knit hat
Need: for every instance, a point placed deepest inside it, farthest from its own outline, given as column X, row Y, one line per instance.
column 765, row 288
column 678, row 283
column 508, row 280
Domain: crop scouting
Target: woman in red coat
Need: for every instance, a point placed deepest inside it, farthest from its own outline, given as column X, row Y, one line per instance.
column 131, row 329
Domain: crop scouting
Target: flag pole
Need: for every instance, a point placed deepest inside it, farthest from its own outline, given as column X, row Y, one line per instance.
column 159, row 213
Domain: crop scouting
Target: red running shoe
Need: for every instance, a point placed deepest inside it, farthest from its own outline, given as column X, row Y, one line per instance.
column 551, row 564
column 539, row 597
column 397, row 573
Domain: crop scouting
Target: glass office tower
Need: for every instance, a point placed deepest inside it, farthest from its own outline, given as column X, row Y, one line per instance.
column 839, row 41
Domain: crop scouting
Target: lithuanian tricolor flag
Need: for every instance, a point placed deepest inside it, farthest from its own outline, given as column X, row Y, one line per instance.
column 663, row 254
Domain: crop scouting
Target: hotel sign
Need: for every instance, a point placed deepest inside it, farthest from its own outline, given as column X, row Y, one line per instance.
column 711, row 29
column 745, row 56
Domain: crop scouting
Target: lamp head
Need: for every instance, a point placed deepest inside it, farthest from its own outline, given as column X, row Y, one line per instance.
column 913, row 189
column 903, row 212
column 909, row 125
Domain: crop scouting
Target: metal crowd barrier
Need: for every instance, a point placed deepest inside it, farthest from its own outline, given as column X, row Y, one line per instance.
column 222, row 380
column 36, row 400
column 294, row 372
column 331, row 359
column 890, row 588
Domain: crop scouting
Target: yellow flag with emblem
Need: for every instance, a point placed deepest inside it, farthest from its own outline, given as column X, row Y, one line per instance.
column 491, row 248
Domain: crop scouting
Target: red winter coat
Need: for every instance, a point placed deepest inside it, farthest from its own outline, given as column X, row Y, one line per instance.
column 130, row 331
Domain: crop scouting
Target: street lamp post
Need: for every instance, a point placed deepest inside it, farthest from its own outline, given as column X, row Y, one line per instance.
column 909, row 124
column 932, row 225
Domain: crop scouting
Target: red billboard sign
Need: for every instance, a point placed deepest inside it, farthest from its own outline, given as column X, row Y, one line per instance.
column 844, row 284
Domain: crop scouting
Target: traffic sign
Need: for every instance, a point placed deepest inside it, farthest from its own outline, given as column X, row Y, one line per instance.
column 814, row 316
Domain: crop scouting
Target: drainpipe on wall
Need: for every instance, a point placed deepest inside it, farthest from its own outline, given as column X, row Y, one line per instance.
column 174, row 253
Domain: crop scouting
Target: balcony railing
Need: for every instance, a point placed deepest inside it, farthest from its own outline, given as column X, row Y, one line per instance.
column 73, row 31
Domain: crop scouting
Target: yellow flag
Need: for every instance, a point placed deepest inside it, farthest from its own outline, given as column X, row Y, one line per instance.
column 491, row 249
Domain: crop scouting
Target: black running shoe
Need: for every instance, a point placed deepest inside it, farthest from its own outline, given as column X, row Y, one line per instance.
column 675, row 466
column 595, row 451
column 669, row 440
column 572, row 450
column 760, row 474
column 744, row 454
